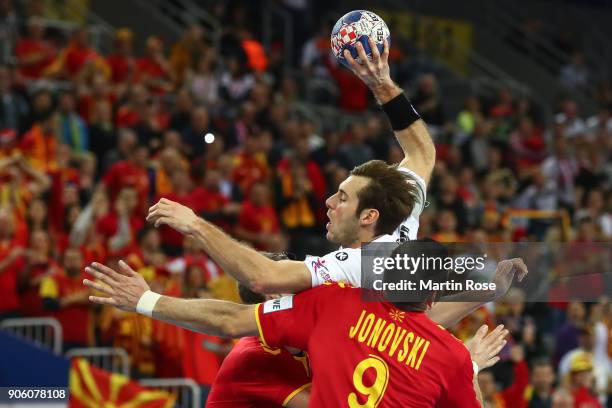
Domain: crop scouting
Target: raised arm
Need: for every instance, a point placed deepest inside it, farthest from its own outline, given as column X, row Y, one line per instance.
column 410, row 131
column 452, row 309
column 246, row 265
column 127, row 290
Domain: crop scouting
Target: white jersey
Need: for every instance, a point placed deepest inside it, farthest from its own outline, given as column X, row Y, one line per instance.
column 345, row 264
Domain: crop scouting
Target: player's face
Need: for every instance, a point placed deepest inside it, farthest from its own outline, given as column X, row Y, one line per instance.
column 343, row 225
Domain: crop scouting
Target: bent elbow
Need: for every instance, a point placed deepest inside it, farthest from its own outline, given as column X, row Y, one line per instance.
column 264, row 281
column 261, row 285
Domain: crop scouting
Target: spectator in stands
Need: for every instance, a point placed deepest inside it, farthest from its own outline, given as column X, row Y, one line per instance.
column 147, row 255
column 130, row 173
column 355, row 151
column 132, row 109
column 102, row 133
column 446, row 227
column 236, row 81
column 562, row 167
column 569, row 118
column 595, row 210
column 64, row 295
column 298, row 206
column 203, row 82
column 600, row 125
column 122, row 62
column 153, row 69
column 448, row 199
column 127, row 140
column 600, row 368
column 250, row 166
column 210, row 201
column 581, row 381
column 258, row 221
column 502, row 114
column 33, row 53
column 540, row 392
column 14, row 109
column 567, row 336
column 39, row 143
column 469, row 116
column 78, row 60
column 180, row 189
column 528, row 148
column 131, row 332
column 188, row 53
column 120, row 226
column 73, row 130
column 180, row 119
column 513, row 395
column 193, row 136
column 13, row 240
column 427, row 100
column 39, row 263
column 575, row 75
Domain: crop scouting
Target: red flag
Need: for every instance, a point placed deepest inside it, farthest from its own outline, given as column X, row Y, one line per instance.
column 92, row 387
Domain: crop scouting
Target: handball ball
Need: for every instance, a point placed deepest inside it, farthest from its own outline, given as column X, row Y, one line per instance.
column 357, row 26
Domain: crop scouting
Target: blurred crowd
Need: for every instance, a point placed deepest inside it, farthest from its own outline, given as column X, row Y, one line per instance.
column 88, row 141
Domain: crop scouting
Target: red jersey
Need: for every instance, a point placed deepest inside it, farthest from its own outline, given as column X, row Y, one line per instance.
column 253, row 375
column 369, row 353
column 27, row 47
column 259, row 220
column 126, row 174
column 76, row 319
column 9, row 298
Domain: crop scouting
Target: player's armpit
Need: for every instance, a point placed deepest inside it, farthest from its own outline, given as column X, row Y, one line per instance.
column 419, row 149
column 284, row 277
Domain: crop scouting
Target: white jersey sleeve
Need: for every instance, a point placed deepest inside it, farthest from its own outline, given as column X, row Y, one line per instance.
column 343, row 265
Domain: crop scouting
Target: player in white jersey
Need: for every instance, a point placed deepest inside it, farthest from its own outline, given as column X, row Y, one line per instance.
column 376, row 202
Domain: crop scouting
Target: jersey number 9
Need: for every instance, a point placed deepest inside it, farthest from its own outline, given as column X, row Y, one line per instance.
column 373, row 392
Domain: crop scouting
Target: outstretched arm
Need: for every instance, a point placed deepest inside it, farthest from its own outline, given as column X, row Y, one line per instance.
column 451, row 310
column 127, row 290
column 414, row 139
column 246, row 265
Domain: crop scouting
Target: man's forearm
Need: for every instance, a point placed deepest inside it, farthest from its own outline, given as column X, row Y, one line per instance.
column 210, row 316
column 248, row 266
column 245, row 264
column 449, row 312
column 415, row 140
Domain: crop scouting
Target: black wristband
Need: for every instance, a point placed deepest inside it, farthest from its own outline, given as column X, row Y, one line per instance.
column 400, row 112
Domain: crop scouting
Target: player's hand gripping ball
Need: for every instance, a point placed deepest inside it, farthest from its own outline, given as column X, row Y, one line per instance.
column 357, row 26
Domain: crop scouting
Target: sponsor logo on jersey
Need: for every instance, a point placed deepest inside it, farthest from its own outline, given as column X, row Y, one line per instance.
column 403, row 234
column 276, row 305
column 319, row 268
column 341, row 256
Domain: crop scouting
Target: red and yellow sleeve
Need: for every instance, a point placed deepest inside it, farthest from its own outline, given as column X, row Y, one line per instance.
column 288, row 321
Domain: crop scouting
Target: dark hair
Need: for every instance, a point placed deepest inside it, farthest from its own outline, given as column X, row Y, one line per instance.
column 541, row 362
column 249, row 297
column 417, row 300
column 388, row 191
column 143, row 232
